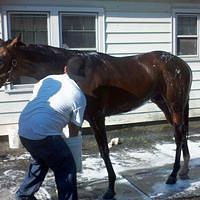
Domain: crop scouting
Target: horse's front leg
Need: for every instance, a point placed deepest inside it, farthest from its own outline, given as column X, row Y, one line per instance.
column 98, row 125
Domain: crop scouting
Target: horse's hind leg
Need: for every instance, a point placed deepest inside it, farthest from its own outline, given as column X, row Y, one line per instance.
column 183, row 174
column 181, row 144
column 98, row 125
column 186, row 155
column 181, row 132
column 180, row 123
column 175, row 120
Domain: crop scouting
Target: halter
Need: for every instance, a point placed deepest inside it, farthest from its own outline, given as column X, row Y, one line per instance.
column 14, row 63
column 13, row 66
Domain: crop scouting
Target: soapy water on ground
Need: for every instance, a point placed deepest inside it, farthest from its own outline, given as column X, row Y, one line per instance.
column 138, row 150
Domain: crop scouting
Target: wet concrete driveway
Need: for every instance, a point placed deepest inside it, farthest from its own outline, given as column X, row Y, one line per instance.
column 142, row 163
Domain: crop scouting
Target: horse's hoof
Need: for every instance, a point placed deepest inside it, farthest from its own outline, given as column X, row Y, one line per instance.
column 184, row 176
column 171, row 180
column 109, row 195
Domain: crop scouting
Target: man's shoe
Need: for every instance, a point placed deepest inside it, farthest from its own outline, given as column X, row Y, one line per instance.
column 32, row 198
column 26, row 198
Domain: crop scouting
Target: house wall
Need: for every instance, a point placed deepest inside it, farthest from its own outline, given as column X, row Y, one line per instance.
column 11, row 104
column 1, row 24
column 130, row 27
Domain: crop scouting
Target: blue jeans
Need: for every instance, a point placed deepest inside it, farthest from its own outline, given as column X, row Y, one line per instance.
column 51, row 152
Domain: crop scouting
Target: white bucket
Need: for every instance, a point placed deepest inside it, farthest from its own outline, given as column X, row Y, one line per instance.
column 13, row 139
column 75, row 145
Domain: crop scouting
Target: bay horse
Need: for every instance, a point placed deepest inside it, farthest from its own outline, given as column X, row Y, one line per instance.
column 114, row 85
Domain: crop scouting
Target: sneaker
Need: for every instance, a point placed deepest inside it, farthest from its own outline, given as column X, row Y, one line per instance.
column 33, row 198
column 26, row 198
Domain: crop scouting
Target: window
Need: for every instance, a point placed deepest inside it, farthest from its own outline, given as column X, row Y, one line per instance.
column 187, row 35
column 33, row 27
column 78, row 31
column 33, row 30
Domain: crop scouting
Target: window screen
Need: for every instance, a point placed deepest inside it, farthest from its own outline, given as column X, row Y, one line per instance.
column 33, row 27
column 78, row 31
column 33, row 30
column 187, row 37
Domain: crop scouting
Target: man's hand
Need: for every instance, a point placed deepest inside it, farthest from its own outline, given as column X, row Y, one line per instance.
column 73, row 130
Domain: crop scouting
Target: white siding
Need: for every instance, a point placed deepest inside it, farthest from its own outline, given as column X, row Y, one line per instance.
column 10, row 108
column 129, row 33
column 137, row 48
column 195, row 91
column 1, row 25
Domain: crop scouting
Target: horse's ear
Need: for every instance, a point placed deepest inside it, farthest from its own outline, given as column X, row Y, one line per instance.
column 15, row 41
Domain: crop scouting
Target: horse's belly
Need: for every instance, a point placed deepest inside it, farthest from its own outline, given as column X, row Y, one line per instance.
column 140, row 86
column 116, row 100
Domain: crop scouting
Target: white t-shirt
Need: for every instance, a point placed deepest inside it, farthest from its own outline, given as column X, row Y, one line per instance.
column 56, row 101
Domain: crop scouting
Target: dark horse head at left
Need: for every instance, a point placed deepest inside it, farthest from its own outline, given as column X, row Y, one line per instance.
column 114, row 85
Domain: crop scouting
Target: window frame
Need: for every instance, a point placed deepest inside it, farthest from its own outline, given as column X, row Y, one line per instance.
column 80, row 14
column 101, row 42
column 179, row 12
column 97, row 27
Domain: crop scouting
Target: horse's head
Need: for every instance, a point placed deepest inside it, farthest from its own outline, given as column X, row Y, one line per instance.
column 7, row 60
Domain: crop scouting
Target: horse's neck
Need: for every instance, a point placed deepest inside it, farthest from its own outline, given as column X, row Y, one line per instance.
column 37, row 68
column 40, row 70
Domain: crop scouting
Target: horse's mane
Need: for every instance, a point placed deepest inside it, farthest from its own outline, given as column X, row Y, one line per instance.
column 47, row 53
column 44, row 52
column 41, row 53
column 50, row 50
